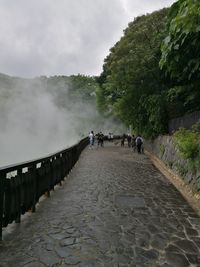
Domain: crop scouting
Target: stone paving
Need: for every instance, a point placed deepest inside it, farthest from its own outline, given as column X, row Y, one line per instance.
column 114, row 210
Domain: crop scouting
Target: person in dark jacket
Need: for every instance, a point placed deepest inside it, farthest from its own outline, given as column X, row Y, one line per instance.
column 139, row 142
column 123, row 139
column 129, row 138
column 100, row 138
column 133, row 144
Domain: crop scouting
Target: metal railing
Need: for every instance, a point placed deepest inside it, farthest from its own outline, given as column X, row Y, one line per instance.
column 23, row 184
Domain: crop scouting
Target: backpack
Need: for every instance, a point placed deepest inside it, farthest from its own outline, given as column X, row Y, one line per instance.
column 139, row 141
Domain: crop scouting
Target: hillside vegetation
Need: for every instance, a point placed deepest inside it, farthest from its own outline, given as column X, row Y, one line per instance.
column 152, row 73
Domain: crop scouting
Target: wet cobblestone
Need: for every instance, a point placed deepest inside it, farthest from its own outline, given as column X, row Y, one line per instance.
column 114, row 209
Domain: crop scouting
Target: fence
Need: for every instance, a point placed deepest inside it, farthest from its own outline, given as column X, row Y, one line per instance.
column 183, row 122
column 22, row 185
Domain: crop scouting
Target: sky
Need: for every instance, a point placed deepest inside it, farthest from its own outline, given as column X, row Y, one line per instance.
column 48, row 37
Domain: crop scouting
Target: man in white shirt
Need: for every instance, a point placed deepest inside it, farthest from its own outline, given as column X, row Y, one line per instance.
column 91, row 139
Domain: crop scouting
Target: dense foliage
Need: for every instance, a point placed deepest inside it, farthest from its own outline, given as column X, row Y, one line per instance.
column 181, row 48
column 180, row 58
column 131, row 82
column 146, row 86
column 188, row 144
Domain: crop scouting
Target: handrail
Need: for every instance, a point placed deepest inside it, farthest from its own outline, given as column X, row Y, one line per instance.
column 20, row 192
column 10, row 168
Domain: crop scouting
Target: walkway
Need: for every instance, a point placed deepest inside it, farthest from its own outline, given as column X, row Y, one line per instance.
column 115, row 210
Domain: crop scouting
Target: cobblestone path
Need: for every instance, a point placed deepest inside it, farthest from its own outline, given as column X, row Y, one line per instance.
column 114, row 209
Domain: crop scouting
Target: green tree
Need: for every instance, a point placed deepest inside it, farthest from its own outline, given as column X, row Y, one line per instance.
column 131, row 78
column 181, row 48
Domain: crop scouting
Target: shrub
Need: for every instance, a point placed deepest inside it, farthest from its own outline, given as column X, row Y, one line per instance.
column 188, row 143
column 196, row 126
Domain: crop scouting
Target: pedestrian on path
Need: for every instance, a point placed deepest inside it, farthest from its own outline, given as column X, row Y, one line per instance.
column 91, row 139
column 123, row 139
column 133, row 143
column 139, row 143
column 129, row 140
column 100, row 138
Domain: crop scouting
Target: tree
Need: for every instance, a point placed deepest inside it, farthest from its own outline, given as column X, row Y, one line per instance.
column 181, row 48
column 131, row 74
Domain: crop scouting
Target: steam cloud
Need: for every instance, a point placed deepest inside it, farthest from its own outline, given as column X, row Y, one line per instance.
column 34, row 122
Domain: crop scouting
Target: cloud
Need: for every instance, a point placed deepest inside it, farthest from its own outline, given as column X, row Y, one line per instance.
column 140, row 7
column 45, row 37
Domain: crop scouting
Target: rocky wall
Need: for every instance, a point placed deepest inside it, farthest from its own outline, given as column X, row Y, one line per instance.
column 164, row 148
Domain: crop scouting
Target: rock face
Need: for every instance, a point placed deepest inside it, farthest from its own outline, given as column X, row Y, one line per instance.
column 165, row 149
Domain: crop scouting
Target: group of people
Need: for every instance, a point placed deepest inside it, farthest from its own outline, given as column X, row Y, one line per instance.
column 136, row 142
column 99, row 136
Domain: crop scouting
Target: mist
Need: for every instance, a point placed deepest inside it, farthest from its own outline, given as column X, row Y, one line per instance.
column 38, row 119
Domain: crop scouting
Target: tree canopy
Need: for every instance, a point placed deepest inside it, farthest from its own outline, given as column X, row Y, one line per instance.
column 152, row 73
column 181, row 47
column 131, row 82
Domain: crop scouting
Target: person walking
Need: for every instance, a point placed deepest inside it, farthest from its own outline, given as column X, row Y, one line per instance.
column 139, row 142
column 91, row 139
column 123, row 139
column 100, row 139
column 133, row 143
column 129, row 138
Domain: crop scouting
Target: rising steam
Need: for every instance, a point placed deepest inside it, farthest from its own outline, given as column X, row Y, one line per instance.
column 35, row 122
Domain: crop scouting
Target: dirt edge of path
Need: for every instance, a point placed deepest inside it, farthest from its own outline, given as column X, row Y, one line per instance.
column 192, row 198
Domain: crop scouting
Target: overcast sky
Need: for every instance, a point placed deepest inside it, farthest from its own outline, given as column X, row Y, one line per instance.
column 48, row 37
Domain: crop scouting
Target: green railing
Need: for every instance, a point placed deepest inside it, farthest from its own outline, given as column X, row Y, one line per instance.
column 23, row 184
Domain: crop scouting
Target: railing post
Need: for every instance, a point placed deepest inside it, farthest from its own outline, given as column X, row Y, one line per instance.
column 33, row 170
column 2, row 192
column 60, row 167
column 35, row 188
column 18, row 219
column 47, row 194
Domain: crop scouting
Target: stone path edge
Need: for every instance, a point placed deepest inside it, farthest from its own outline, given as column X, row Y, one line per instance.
column 192, row 198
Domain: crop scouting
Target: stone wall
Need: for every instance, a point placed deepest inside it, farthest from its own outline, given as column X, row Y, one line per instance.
column 164, row 148
column 183, row 122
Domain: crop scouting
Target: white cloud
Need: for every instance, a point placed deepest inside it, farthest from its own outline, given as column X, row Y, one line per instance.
column 47, row 37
